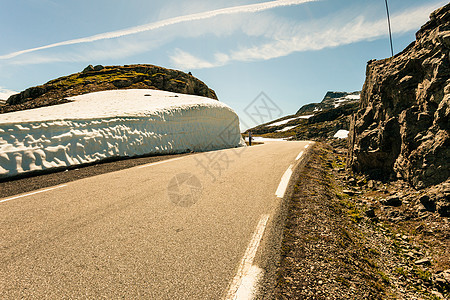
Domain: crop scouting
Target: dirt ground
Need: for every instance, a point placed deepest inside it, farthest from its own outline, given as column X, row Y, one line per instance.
column 341, row 243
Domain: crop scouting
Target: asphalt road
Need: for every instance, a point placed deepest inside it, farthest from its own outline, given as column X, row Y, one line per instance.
column 187, row 228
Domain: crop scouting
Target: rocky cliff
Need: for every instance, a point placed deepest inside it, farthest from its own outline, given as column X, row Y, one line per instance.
column 99, row 78
column 402, row 126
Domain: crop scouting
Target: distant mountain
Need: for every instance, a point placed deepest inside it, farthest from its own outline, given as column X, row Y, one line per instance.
column 100, row 78
column 315, row 121
column 331, row 100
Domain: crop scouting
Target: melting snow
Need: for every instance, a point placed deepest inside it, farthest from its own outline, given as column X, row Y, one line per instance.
column 281, row 122
column 287, row 128
column 353, row 97
column 341, row 134
column 288, row 120
column 111, row 124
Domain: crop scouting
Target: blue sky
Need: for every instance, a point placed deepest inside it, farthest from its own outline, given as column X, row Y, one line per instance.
column 292, row 50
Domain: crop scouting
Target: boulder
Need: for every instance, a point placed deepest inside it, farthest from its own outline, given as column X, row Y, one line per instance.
column 98, row 68
column 392, row 201
column 437, row 199
column 89, row 68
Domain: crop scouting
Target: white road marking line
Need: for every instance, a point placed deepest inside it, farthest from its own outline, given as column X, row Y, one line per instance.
column 284, row 182
column 244, row 283
column 299, row 155
column 33, row 193
column 306, row 146
column 160, row 162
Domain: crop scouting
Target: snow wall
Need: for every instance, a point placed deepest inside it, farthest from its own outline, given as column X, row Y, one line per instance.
column 110, row 124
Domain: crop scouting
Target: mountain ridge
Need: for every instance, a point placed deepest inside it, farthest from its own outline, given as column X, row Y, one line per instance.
column 314, row 121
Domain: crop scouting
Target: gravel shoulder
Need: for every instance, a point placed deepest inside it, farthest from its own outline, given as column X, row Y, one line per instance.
column 342, row 241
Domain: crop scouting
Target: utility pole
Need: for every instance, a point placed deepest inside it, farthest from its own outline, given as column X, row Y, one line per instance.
column 389, row 25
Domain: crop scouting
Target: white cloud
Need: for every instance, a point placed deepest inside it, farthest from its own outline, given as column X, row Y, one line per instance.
column 5, row 93
column 106, row 51
column 186, row 61
column 167, row 22
column 288, row 38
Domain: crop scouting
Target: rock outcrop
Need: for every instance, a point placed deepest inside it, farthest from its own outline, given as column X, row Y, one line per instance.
column 100, row 78
column 402, row 126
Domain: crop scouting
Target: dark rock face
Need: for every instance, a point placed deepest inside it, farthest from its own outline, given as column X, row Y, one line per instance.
column 402, row 126
column 100, row 78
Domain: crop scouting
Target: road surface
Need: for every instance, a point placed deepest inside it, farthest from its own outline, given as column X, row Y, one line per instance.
column 186, row 228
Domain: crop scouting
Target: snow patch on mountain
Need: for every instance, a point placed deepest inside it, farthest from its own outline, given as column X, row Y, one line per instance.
column 288, row 120
column 341, row 134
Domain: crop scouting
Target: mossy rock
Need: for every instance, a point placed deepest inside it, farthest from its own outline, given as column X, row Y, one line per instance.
column 100, row 78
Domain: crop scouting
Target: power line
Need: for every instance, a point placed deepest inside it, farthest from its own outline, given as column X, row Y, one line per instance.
column 389, row 24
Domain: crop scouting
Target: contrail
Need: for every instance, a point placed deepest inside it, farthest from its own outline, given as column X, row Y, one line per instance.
column 163, row 23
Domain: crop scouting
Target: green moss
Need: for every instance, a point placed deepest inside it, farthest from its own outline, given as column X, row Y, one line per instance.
column 384, row 277
column 178, row 81
column 401, row 271
column 343, row 281
column 374, row 252
column 158, row 74
column 425, row 275
column 355, row 215
column 341, row 196
column 370, row 262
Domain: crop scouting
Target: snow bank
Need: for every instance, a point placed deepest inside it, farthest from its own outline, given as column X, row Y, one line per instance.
column 115, row 123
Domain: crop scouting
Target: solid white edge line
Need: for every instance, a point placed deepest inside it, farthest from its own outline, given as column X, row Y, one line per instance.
column 299, row 155
column 33, row 193
column 159, row 162
column 246, row 266
column 306, row 146
column 284, row 182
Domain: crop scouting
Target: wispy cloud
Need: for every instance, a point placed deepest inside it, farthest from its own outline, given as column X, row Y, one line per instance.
column 288, row 39
column 121, row 49
column 163, row 23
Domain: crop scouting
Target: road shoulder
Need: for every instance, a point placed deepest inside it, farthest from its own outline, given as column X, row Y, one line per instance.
column 334, row 248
